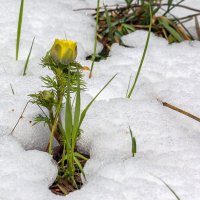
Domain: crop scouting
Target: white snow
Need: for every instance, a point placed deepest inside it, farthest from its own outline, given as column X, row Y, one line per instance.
column 24, row 174
column 168, row 142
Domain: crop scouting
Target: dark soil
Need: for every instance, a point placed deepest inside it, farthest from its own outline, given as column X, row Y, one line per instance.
column 61, row 186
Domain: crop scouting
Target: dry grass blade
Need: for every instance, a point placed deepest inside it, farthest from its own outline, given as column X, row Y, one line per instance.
column 64, row 191
column 101, row 39
column 170, row 189
column 181, row 31
column 181, row 111
column 197, row 27
column 13, row 92
column 21, row 116
column 122, row 6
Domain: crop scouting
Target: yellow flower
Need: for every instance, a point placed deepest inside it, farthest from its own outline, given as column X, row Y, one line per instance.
column 64, row 51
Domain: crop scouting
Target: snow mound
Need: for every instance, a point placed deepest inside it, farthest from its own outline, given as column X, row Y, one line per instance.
column 24, row 174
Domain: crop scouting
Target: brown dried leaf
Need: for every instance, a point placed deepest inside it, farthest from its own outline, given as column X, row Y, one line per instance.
column 197, row 27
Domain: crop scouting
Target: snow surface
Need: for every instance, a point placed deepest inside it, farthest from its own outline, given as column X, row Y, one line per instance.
column 168, row 142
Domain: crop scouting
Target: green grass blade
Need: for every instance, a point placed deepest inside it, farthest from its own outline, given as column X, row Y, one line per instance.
column 95, row 39
column 128, row 28
column 155, row 11
column 79, row 166
column 129, row 83
column 169, row 4
column 108, row 21
column 62, row 131
column 143, row 56
column 179, row 22
column 27, row 60
column 170, row 189
column 134, row 144
column 171, row 30
column 128, row 2
column 172, row 6
column 78, row 155
column 91, row 102
column 19, row 28
column 68, row 112
column 63, row 155
column 76, row 113
column 65, row 158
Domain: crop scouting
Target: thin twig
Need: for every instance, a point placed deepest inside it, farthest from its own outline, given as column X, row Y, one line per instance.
column 123, row 6
column 172, row 6
column 181, row 111
column 186, row 7
column 100, row 8
column 21, row 116
column 188, row 16
column 42, row 111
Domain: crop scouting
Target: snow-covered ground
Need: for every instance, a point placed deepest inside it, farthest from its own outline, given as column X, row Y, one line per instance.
column 168, row 142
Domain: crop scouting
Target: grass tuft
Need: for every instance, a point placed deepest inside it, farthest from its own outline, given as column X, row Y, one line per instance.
column 115, row 21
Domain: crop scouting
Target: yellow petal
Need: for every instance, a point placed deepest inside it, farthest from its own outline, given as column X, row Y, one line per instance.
column 64, row 51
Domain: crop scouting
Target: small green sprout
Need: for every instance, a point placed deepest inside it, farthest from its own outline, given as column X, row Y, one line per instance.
column 134, row 144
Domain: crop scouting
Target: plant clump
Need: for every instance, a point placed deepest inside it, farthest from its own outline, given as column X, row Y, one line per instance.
column 64, row 88
column 116, row 21
column 66, row 81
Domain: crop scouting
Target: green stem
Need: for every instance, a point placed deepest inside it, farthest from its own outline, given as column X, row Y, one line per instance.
column 51, row 116
column 55, row 125
column 60, row 95
column 63, row 156
column 71, row 168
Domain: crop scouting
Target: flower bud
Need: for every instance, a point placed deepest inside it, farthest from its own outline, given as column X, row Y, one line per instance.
column 46, row 98
column 63, row 51
column 47, row 95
